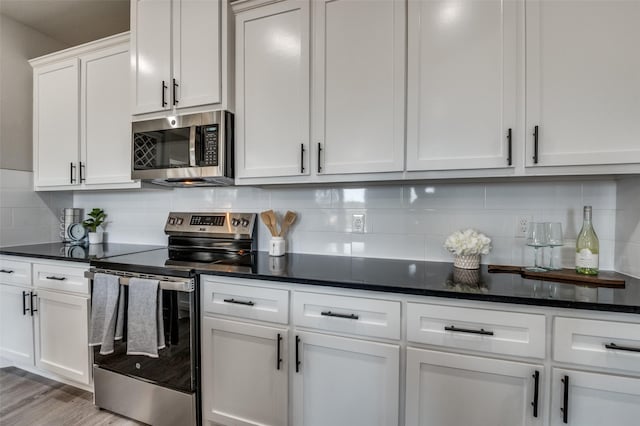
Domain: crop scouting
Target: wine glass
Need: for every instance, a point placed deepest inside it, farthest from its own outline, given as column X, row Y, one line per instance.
column 554, row 239
column 536, row 238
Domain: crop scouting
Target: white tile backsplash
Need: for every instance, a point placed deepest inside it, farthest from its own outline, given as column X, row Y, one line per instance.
column 28, row 217
column 401, row 221
column 627, row 226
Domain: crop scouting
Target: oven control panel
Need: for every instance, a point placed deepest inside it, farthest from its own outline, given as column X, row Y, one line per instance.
column 211, row 224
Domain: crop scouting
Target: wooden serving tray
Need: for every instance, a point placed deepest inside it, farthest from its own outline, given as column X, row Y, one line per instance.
column 566, row 276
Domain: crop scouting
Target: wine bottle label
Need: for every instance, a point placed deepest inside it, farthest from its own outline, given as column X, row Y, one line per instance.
column 586, row 259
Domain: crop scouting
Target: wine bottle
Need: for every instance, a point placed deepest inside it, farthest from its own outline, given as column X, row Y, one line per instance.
column 587, row 247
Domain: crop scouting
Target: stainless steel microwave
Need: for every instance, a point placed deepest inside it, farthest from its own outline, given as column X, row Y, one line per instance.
column 187, row 150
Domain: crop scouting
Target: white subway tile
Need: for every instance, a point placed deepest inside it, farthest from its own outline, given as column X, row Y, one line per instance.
column 398, row 246
column 443, row 196
column 298, row 198
column 599, row 194
column 330, row 243
column 539, row 195
column 374, row 197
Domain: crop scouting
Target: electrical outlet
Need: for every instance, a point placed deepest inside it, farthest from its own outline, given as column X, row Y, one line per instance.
column 357, row 223
column 522, row 225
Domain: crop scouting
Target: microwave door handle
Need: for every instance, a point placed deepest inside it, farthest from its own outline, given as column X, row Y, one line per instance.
column 192, row 146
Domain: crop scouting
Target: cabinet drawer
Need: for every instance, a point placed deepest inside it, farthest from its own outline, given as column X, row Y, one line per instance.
column 608, row 344
column 498, row 332
column 354, row 315
column 245, row 301
column 15, row 272
column 60, row 277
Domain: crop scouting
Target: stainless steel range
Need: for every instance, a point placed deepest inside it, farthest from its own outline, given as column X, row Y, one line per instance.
column 166, row 390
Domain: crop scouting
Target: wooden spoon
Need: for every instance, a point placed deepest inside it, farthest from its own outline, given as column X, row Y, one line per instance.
column 266, row 219
column 288, row 220
column 274, row 222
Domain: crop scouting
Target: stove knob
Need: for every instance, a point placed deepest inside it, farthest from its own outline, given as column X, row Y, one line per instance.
column 172, row 221
column 244, row 222
column 179, row 221
column 235, row 222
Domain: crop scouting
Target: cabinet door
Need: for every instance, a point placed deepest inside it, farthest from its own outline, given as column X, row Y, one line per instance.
column 55, row 123
column 461, row 84
column 16, row 325
column 344, row 382
column 196, row 52
column 62, row 340
column 242, row 381
column 272, row 90
column 151, row 55
column 445, row 389
column 594, row 399
column 359, row 79
column 583, row 82
column 106, row 117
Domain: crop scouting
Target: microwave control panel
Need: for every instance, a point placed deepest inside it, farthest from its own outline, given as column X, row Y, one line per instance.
column 209, row 152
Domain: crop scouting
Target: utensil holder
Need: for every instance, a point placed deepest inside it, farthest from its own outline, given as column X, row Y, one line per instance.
column 277, row 246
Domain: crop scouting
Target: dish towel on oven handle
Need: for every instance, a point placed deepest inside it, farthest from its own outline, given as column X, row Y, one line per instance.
column 145, row 330
column 105, row 304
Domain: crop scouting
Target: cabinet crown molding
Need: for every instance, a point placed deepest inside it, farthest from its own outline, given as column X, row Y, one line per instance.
column 80, row 50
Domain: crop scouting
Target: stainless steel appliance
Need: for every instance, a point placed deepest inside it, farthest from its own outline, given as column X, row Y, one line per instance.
column 166, row 390
column 187, row 150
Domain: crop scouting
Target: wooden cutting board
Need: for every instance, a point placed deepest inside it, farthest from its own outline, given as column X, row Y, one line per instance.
column 566, row 276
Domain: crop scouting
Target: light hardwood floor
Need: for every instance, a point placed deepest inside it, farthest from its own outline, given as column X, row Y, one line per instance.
column 30, row 400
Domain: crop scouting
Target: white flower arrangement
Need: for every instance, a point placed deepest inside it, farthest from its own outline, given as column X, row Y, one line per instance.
column 468, row 242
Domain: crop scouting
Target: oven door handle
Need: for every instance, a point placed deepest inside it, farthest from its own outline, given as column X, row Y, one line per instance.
column 186, row 285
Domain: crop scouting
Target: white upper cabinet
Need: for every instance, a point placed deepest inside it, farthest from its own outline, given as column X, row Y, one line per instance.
column 56, row 89
column 583, row 82
column 151, row 54
column 178, row 50
column 272, row 75
column 82, row 121
column 358, row 80
column 462, row 74
column 355, row 82
column 105, row 117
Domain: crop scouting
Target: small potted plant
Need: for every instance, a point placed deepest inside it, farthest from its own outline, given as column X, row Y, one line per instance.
column 93, row 225
column 467, row 246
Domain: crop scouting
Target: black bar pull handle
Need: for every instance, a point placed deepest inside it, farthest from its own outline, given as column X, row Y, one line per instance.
column 72, row 167
column 175, row 96
column 333, row 314
column 278, row 357
column 24, row 303
column 239, row 302
column 297, row 354
column 536, row 394
column 565, row 400
column 164, row 88
column 509, row 148
column 82, row 166
column 319, row 159
column 621, row 348
column 301, row 158
column 53, row 277
column 6, row 271
column 535, row 145
column 468, row 330
column 33, row 305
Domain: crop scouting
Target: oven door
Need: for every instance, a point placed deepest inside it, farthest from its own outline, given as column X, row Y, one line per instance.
column 175, row 367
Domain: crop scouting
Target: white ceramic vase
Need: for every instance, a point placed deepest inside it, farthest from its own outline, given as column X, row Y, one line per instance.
column 95, row 237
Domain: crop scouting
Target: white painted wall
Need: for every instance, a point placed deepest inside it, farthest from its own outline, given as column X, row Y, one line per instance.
column 18, row 43
column 401, row 221
column 628, row 226
column 28, row 217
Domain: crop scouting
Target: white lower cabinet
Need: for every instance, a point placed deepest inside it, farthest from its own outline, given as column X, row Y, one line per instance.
column 446, row 389
column 62, row 344
column 344, row 382
column 47, row 328
column 244, row 373
column 16, row 325
column 592, row 399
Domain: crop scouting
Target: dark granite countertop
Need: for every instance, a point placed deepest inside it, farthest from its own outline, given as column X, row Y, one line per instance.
column 437, row 279
column 75, row 253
